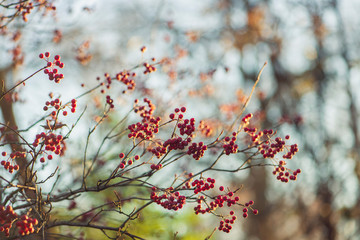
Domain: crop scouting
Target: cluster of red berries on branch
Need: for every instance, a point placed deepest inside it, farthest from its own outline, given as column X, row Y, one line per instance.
column 186, row 126
column 110, row 101
column 149, row 68
column 269, row 148
column 56, row 104
column 205, row 129
column 24, row 223
column 9, row 163
column 25, row 8
column 149, row 124
column 52, row 142
column 145, row 130
column 127, row 78
column 178, row 113
column 246, row 119
column 246, row 209
column 128, row 161
column 145, row 111
column 176, row 143
column 168, row 200
column 293, row 150
column 225, row 224
column 220, row 201
column 51, row 70
column 73, row 105
column 227, row 199
column 197, row 150
column 156, row 166
column 159, row 150
column 201, row 185
column 284, row 174
column 230, row 145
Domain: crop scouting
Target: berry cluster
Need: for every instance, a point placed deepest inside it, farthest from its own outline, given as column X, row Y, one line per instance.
column 197, row 150
column 158, row 151
column 73, row 105
column 205, row 129
column 177, row 113
column 176, row 143
column 53, row 143
column 128, row 161
column 201, row 185
column 293, row 150
column 144, row 111
column 57, row 105
column 110, row 101
column 247, row 118
column 7, row 217
column 149, row 124
column 229, row 145
column 149, row 68
column 256, row 137
column 156, row 166
column 246, row 209
column 144, row 130
column 284, row 174
column 54, row 103
column 51, row 69
column 24, row 223
column 229, row 199
column 8, row 165
column 187, row 127
column 24, row 8
column 168, row 200
column 269, row 150
column 127, row 78
column 225, row 225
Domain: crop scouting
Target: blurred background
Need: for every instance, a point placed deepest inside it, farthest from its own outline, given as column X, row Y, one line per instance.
column 309, row 89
